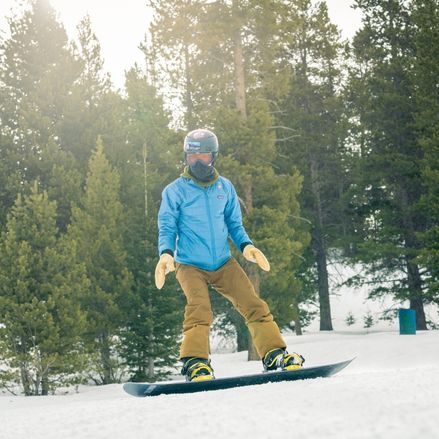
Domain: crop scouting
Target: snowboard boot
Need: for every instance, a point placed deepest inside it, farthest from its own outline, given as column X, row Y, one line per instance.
column 280, row 359
column 197, row 369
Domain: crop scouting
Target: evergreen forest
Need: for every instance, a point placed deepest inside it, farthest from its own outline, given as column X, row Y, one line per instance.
column 332, row 145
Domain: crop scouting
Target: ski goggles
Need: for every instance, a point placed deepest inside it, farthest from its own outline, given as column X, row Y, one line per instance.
column 205, row 157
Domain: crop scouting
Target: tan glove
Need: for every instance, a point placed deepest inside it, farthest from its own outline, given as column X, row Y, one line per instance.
column 164, row 266
column 252, row 254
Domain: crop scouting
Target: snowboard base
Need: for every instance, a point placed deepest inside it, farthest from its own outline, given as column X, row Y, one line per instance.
column 154, row 389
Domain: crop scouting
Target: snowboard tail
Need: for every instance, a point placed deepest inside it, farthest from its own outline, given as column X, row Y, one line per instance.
column 154, row 389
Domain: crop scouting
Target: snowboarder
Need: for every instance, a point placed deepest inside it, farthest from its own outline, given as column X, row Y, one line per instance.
column 198, row 212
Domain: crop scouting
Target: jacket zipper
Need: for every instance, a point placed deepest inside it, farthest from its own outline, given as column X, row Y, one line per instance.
column 212, row 237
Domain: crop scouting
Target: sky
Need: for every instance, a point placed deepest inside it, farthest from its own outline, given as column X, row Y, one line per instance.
column 121, row 25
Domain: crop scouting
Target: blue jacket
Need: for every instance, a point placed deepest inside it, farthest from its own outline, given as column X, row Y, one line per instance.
column 195, row 222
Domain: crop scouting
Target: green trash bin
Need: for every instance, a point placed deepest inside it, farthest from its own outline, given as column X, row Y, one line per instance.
column 407, row 321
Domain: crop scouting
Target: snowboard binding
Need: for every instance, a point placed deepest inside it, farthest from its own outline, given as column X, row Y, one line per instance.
column 197, row 369
column 280, row 359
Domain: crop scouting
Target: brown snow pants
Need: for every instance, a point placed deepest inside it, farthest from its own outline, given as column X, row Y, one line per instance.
column 231, row 281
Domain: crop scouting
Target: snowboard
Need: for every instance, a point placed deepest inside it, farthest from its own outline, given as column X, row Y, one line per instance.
column 154, row 389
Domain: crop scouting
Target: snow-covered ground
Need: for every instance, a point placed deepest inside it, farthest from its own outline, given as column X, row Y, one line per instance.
column 390, row 391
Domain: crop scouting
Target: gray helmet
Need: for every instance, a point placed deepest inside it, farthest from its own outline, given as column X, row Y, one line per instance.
column 201, row 140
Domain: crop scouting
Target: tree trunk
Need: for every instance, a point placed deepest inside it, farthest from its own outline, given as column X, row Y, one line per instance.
column 151, row 339
column 240, row 101
column 242, row 339
column 414, row 279
column 418, row 306
column 319, row 247
column 297, row 324
column 239, row 78
column 238, row 60
column 150, row 368
column 150, row 364
column 107, row 377
column 242, row 333
column 25, row 381
column 415, row 286
column 323, row 284
column 45, row 384
column 188, row 97
column 298, row 327
column 188, row 79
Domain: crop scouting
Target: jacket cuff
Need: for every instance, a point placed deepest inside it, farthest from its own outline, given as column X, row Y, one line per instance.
column 244, row 245
column 168, row 251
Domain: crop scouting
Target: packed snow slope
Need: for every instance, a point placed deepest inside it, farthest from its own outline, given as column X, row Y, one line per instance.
column 390, row 391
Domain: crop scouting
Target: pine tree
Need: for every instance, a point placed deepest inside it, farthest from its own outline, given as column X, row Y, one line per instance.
column 152, row 319
column 350, row 319
column 97, row 227
column 250, row 139
column 37, row 75
column 272, row 218
column 368, row 320
column 313, row 131
column 425, row 19
column 60, row 176
column 391, row 160
column 93, row 108
column 173, row 45
column 37, row 72
column 227, row 94
column 55, row 99
column 41, row 287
